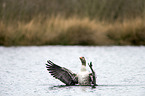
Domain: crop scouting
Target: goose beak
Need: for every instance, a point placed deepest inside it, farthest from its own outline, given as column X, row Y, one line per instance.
column 80, row 57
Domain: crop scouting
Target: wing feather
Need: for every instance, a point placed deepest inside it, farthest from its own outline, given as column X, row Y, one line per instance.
column 61, row 73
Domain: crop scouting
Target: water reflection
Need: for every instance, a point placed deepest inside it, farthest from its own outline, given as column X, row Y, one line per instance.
column 88, row 86
column 115, row 90
column 65, row 86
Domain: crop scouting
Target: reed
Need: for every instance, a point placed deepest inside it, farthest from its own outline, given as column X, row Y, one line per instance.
column 106, row 10
column 128, row 32
column 72, row 31
column 72, row 22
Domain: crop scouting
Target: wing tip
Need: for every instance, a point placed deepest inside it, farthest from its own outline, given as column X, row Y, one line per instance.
column 49, row 61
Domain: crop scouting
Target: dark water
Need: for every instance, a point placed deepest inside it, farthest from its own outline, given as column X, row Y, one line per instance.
column 120, row 70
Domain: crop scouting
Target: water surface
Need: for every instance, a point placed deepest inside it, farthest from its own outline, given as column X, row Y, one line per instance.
column 120, row 70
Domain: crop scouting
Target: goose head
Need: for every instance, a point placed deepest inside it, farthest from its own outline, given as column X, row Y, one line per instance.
column 83, row 61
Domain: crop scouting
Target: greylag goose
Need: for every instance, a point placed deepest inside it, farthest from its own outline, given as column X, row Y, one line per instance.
column 69, row 78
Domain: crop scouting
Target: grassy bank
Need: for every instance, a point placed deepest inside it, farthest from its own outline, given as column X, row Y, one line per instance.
column 72, row 31
column 72, row 22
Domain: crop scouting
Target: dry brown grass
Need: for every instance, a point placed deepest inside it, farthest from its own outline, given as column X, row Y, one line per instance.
column 72, row 31
column 73, row 22
column 129, row 32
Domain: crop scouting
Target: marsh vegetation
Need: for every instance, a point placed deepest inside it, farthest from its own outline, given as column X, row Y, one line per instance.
column 73, row 22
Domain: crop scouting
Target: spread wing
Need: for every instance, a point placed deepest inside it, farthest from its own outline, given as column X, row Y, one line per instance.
column 61, row 73
column 92, row 75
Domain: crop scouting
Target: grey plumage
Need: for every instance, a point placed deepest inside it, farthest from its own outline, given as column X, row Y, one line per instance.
column 70, row 78
column 61, row 73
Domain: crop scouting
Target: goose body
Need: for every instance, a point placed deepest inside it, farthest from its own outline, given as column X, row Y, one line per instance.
column 69, row 78
column 84, row 78
column 83, row 75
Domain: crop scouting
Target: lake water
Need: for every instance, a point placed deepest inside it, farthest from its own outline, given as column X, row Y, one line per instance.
column 120, row 70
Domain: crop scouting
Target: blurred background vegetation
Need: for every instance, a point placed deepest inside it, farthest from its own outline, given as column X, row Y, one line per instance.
column 72, row 22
